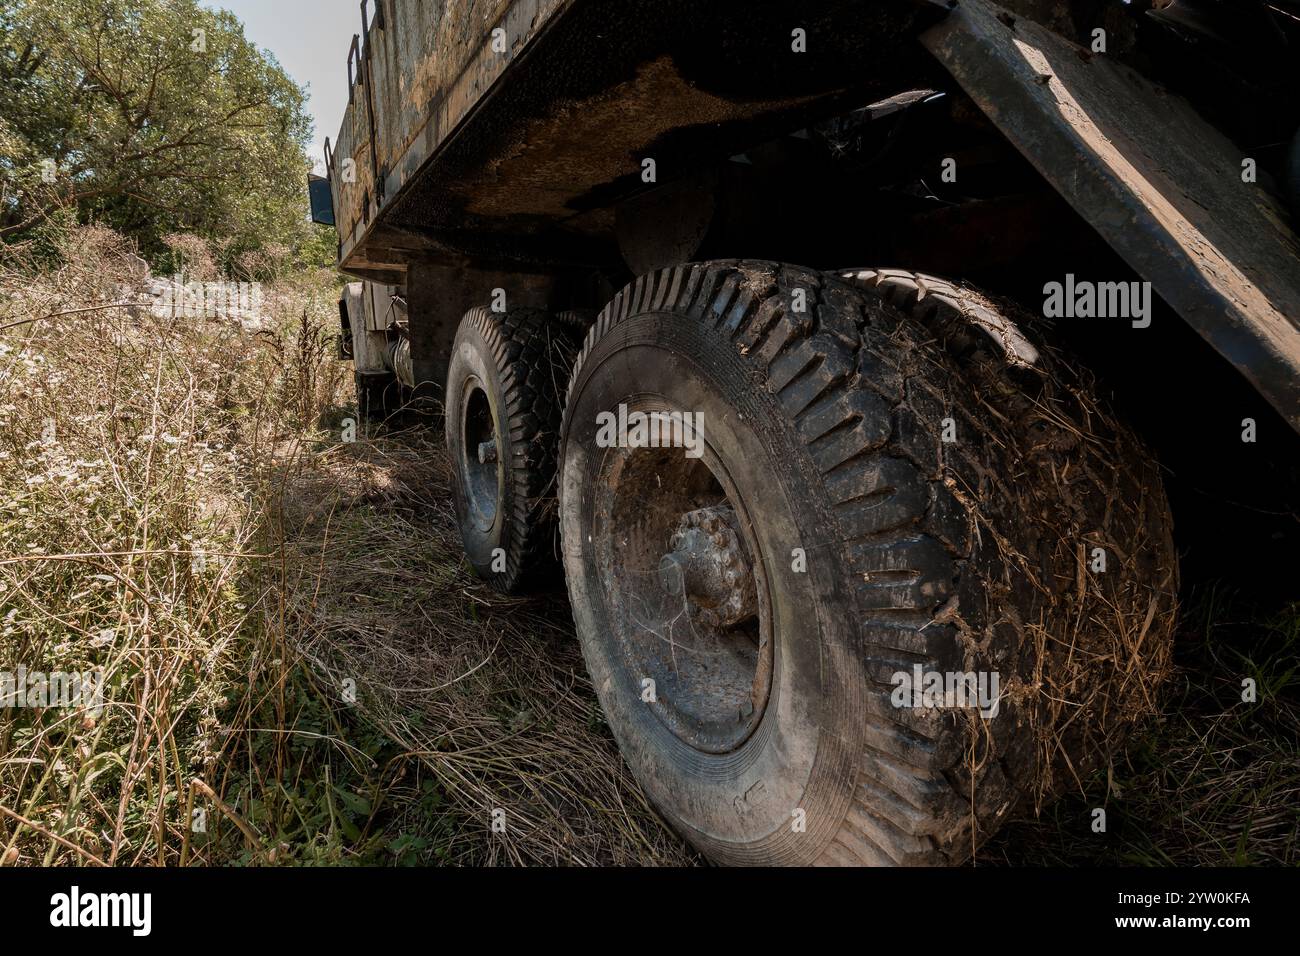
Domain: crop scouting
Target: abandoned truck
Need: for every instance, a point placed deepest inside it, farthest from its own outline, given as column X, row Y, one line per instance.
column 811, row 343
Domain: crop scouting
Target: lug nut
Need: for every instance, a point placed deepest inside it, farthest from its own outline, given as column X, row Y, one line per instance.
column 487, row 452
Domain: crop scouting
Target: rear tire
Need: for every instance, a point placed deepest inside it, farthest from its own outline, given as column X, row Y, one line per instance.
column 502, row 427
column 874, row 546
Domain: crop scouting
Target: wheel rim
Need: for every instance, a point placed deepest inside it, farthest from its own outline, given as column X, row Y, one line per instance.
column 479, row 465
column 667, row 530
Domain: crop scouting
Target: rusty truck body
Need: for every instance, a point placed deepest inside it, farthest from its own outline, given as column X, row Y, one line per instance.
column 775, row 217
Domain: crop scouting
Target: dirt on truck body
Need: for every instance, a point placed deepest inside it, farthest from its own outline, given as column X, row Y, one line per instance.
column 723, row 308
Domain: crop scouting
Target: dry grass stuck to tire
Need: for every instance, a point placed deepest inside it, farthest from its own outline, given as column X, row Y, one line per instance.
column 1214, row 780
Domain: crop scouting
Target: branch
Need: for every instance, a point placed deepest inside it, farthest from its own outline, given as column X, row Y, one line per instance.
column 54, row 315
column 53, row 836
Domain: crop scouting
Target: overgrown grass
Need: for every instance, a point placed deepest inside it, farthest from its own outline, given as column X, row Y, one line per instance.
column 137, row 456
column 297, row 666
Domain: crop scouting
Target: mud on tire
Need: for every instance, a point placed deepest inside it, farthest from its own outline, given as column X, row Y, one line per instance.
column 831, row 400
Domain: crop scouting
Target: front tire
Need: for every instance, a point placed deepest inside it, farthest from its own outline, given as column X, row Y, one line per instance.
column 744, row 614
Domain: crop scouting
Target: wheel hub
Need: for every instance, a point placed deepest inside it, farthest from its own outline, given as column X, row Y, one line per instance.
column 686, row 590
column 479, row 455
column 708, row 567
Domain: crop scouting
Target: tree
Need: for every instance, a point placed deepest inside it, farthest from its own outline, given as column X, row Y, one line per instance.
column 151, row 116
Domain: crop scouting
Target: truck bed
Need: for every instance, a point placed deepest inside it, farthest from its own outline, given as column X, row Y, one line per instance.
column 459, row 151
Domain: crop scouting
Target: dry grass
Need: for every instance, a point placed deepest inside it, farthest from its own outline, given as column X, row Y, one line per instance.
column 144, row 464
column 134, row 454
column 490, row 692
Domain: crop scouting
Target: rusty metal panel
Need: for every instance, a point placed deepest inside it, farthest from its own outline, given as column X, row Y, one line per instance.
column 1153, row 178
column 423, row 67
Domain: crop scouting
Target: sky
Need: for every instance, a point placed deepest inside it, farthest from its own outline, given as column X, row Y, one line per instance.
column 310, row 38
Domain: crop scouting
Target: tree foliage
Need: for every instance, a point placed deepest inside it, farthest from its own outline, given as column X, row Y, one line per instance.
column 153, row 117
